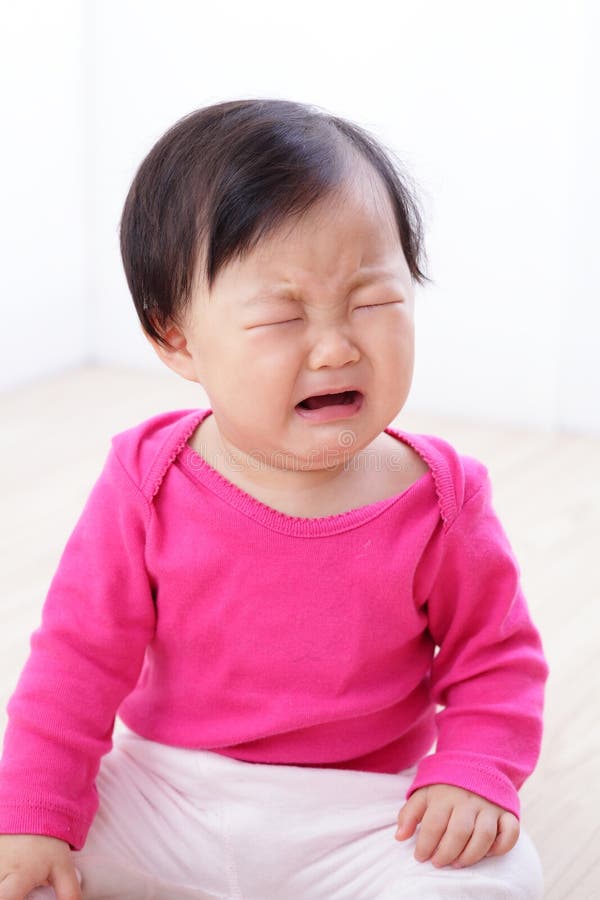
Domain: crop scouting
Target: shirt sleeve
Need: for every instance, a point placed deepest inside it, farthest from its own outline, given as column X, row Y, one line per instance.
column 85, row 657
column 489, row 673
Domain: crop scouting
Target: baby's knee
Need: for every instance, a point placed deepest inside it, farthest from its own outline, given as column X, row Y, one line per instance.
column 516, row 874
column 524, row 875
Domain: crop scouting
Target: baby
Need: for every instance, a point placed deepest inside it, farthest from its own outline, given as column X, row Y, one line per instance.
column 309, row 622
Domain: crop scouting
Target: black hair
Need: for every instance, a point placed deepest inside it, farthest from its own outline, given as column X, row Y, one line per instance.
column 223, row 177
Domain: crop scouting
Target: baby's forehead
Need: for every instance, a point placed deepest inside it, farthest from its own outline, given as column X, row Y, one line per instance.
column 360, row 222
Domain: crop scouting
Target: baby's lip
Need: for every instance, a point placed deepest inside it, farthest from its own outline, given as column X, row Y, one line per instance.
column 333, row 389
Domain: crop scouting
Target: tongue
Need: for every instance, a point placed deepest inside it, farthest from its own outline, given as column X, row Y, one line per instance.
column 327, row 400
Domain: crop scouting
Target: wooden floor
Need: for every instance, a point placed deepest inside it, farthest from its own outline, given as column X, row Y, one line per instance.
column 55, row 436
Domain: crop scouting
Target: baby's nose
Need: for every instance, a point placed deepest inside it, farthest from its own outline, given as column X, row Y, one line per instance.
column 333, row 347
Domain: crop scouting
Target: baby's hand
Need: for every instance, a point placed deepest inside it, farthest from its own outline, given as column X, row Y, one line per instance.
column 459, row 826
column 31, row 860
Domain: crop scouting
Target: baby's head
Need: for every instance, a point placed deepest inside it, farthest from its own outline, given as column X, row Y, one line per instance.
column 271, row 250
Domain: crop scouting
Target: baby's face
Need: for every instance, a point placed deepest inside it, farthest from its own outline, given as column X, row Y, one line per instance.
column 286, row 323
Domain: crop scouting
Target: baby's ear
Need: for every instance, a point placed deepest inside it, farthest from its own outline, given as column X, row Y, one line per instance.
column 175, row 354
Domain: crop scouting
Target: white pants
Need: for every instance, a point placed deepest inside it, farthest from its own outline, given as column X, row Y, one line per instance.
column 175, row 823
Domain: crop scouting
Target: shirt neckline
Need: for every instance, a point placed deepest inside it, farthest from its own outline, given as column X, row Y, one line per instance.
column 302, row 526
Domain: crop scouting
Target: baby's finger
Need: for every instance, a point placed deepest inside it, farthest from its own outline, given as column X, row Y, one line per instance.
column 433, row 826
column 66, row 880
column 15, row 886
column 508, row 835
column 482, row 838
column 457, row 835
column 411, row 814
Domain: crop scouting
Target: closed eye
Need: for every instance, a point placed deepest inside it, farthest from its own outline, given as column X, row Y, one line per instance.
column 289, row 321
column 284, row 322
column 379, row 305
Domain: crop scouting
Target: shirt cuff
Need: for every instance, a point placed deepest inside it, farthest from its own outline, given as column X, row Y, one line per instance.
column 469, row 773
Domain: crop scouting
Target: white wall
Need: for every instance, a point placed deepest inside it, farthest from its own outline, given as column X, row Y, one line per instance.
column 578, row 360
column 43, row 226
column 490, row 106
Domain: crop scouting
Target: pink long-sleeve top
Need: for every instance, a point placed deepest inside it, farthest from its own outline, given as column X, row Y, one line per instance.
column 207, row 619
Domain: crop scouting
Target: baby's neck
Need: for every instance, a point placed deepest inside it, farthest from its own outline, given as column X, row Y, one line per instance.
column 295, row 491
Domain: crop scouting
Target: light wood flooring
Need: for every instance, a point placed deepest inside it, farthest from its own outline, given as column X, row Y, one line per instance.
column 55, row 436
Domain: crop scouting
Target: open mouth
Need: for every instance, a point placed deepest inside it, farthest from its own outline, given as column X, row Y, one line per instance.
column 345, row 398
column 327, row 407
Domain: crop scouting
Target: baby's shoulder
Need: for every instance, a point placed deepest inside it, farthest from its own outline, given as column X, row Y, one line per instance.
column 148, row 448
column 456, row 475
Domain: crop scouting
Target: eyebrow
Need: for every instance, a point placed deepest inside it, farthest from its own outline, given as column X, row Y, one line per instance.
column 287, row 291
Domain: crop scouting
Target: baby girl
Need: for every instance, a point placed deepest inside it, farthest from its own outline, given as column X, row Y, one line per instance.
column 308, row 621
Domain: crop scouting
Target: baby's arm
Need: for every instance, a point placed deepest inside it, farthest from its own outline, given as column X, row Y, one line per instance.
column 457, row 826
column 86, row 656
column 489, row 677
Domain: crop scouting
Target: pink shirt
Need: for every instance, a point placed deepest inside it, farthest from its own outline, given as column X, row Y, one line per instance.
column 207, row 619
